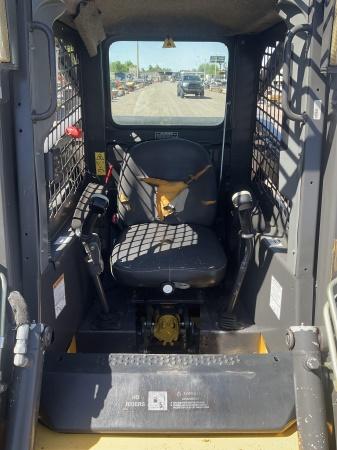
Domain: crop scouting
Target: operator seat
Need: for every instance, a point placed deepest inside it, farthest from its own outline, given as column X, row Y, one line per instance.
column 167, row 203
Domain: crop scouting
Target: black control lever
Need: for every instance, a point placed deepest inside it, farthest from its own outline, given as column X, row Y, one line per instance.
column 98, row 205
column 243, row 203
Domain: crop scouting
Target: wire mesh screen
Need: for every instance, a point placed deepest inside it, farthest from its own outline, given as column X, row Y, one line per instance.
column 68, row 151
column 267, row 136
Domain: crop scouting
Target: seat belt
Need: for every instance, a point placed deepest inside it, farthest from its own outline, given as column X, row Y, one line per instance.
column 167, row 191
column 225, row 157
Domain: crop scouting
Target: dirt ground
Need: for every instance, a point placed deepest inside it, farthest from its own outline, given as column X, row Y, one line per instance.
column 161, row 100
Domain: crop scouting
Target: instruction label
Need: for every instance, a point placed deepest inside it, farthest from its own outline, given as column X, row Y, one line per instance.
column 59, row 292
column 190, row 400
column 100, row 163
column 167, row 401
column 275, row 301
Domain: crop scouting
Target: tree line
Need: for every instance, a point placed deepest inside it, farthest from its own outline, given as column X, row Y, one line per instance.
column 211, row 69
column 118, row 66
column 125, row 67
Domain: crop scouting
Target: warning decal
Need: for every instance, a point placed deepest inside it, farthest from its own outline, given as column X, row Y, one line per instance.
column 59, row 292
column 275, row 300
column 164, row 401
column 317, row 110
column 100, row 163
column 190, row 400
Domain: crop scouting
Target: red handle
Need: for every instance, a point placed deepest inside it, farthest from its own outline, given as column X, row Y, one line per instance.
column 74, row 132
column 109, row 173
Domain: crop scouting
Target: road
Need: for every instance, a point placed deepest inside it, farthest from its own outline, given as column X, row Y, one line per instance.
column 158, row 103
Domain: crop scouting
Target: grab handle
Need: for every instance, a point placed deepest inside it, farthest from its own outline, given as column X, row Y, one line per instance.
column 52, row 65
column 299, row 117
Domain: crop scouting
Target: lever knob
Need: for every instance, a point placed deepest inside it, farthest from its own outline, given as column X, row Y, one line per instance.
column 242, row 200
column 98, row 204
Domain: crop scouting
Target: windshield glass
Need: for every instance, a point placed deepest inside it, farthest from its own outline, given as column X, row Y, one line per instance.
column 190, row 78
column 150, row 85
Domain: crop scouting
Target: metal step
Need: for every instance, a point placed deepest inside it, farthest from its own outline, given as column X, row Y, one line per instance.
column 114, row 393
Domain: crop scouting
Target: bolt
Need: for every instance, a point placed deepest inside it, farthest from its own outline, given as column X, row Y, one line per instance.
column 312, row 363
column 290, row 339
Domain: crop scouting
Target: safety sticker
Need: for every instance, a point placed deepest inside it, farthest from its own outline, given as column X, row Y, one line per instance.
column 190, row 400
column 59, row 292
column 275, row 301
column 157, row 401
column 317, row 109
column 100, row 163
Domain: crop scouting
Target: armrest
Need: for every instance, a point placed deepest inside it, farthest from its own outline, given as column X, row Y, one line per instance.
column 83, row 206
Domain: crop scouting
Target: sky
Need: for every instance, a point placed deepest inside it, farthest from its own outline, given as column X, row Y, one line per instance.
column 186, row 55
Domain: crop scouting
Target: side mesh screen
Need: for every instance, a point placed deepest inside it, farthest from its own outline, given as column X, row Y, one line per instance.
column 267, row 136
column 65, row 153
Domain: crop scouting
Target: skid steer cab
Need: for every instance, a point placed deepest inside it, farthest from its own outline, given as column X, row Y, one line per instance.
column 168, row 224
column 165, row 243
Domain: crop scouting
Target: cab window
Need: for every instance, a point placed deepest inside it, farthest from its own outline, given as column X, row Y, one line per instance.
column 184, row 85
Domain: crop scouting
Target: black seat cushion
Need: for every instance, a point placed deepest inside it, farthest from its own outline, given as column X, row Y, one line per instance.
column 153, row 253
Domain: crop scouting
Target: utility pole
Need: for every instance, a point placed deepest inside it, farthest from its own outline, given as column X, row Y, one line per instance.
column 137, row 59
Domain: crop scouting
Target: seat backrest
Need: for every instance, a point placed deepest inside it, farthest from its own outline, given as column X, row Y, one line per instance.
column 171, row 160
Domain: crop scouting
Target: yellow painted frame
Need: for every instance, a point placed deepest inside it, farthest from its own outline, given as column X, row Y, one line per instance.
column 50, row 440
